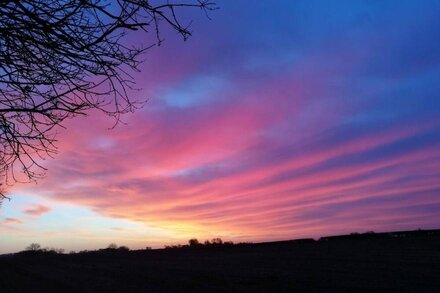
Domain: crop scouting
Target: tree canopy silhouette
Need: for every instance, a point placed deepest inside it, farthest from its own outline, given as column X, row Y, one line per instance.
column 34, row 247
column 61, row 58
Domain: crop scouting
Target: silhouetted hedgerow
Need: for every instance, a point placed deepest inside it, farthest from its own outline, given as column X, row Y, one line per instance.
column 195, row 243
column 36, row 249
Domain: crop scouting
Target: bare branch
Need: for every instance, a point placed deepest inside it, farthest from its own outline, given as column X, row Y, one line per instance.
column 60, row 59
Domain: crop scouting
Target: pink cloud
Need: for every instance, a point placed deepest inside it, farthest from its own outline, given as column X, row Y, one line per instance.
column 274, row 158
column 36, row 210
column 245, row 188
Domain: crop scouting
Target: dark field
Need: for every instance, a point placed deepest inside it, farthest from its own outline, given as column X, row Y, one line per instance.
column 375, row 264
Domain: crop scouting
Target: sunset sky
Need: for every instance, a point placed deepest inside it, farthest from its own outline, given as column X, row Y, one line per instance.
column 275, row 120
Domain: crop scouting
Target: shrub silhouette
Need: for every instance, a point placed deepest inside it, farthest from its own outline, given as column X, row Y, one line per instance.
column 175, row 246
column 123, row 248
column 52, row 250
column 194, row 242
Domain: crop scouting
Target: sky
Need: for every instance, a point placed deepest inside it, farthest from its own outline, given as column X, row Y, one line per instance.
column 275, row 120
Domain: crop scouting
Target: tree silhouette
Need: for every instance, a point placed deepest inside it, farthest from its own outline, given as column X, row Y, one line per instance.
column 217, row 241
column 193, row 242
column 112, row 246
column 61, row 58
column 34, row 247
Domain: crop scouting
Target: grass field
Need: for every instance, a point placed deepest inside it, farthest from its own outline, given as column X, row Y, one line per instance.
column 345, row 264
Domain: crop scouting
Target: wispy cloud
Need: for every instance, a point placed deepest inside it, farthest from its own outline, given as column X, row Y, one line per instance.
column 36, row 210
column 326, row 122
column 11, row 221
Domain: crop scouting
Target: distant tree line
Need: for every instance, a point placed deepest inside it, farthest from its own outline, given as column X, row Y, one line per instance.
column 195, row 243
column 35, row 248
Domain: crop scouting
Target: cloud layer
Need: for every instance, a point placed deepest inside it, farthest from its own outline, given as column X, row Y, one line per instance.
column 292, row 120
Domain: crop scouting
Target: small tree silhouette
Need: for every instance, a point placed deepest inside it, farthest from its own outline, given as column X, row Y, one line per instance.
column 193, row 242
column 112, row 246
column 216, row 241
column 34, row 247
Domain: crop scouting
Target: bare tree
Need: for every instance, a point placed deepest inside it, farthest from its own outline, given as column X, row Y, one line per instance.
column 61, row 58
column 34, row 247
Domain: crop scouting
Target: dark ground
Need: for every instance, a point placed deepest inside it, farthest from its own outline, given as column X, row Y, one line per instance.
column 345, row 264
